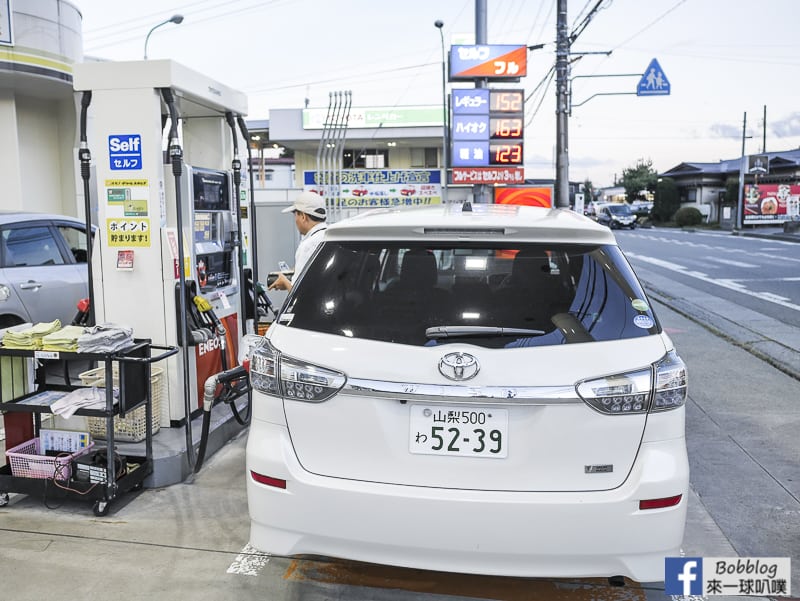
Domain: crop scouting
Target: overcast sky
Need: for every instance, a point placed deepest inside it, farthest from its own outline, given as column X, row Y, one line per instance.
column 722, row 59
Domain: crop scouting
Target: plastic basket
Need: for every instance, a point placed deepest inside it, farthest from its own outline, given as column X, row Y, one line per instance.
column 132, row 427
column 27, row 461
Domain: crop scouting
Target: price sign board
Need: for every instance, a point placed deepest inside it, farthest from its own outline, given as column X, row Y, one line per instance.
column 488, row 127
column 503, row 62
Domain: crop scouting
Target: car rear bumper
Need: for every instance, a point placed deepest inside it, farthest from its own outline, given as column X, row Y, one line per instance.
column 552, row 534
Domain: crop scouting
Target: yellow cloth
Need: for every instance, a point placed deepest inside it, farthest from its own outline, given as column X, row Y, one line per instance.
column 65, row 339
column 30, row 338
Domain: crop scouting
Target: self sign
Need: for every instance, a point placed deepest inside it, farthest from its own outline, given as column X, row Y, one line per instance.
column 125, row 151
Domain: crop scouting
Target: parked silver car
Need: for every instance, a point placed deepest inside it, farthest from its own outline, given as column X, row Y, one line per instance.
column 616, row 216
column 43, row 270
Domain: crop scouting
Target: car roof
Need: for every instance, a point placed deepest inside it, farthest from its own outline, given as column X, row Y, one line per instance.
column 7, row 217
column 485, row 222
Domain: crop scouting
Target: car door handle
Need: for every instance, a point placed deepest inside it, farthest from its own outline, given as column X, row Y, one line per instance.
column 30, row 285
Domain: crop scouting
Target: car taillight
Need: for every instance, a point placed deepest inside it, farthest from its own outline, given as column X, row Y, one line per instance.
column 620, row 394
column 286, row 377
column 671, row 382
column 634, row 392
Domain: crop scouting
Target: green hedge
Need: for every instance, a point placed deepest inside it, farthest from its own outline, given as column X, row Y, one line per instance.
column 688, row 216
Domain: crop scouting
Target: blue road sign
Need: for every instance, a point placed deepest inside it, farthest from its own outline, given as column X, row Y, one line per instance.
column 653, row 81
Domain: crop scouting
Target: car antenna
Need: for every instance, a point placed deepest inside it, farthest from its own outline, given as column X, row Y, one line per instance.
column 466, row 207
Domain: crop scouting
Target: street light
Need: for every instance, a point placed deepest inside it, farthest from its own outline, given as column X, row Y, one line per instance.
column 439, row 24
column 177, row 19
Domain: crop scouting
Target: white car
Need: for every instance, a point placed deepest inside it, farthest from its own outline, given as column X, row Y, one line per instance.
column 480, row 390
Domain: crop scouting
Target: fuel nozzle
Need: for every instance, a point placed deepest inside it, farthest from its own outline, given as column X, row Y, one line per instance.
column 205, row 307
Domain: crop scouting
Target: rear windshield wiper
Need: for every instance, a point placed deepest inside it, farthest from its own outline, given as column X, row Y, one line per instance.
column 486, row 331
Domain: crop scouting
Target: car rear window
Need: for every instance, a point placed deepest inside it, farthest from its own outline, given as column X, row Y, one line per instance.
column 495, row 296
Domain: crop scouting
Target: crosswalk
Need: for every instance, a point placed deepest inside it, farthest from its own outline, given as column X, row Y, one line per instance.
column 738, row 285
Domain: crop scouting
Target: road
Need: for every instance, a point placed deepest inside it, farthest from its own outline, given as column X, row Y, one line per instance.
column 190, row 540
column 762, row 275
column 744, row 289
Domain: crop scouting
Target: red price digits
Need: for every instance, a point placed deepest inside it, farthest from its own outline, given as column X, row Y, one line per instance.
column 507, row 154
column 506, row 128
column 506, row 102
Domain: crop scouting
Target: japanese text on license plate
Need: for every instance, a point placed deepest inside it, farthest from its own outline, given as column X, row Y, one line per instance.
column 464, row 431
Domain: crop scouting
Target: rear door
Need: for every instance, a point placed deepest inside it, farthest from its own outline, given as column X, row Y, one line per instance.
column 40, row 267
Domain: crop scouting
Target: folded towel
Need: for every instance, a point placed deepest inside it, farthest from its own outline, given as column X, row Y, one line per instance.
column 105, row 338
column 31, row 337
column 65, row 339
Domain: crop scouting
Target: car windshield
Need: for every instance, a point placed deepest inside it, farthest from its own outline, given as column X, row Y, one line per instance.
column 495, row 296
column 619, row 209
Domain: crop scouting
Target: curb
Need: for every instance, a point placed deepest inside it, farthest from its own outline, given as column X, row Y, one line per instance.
column 776, row 354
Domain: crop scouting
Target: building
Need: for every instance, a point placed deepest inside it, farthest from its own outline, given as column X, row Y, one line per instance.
column 38, row 115
column 770, row 191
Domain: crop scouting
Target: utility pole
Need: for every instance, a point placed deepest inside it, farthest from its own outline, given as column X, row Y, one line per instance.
column 480, row 192
column 742, row 168
column 562, row 106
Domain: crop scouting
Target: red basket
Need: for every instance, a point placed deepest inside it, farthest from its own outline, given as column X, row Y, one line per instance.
column 27, row 461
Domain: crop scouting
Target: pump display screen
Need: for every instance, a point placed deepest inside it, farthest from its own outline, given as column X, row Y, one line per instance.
column 204, row 230
column 210, row 190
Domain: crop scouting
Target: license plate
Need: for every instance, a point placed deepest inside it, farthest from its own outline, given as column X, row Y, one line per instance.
column 463, row 431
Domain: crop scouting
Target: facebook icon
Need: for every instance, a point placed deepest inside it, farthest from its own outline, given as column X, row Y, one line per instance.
column 683, row 575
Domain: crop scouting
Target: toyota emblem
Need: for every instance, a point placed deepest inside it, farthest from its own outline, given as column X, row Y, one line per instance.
column 459, row 366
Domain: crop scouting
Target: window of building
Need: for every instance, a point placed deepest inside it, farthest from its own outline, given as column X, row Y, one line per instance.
column 431, row 158
column 366, row 158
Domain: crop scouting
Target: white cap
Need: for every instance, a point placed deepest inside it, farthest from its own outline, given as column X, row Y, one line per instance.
column 310, row 203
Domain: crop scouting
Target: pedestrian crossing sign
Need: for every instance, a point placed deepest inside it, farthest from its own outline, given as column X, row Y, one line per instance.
column 653, row 82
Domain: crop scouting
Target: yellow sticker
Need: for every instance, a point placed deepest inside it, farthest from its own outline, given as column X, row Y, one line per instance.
column 128, row 232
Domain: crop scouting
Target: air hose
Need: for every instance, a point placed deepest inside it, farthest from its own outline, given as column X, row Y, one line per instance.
column 176, row 158
column 251, row 208
column 228, row 379
column 85, row 157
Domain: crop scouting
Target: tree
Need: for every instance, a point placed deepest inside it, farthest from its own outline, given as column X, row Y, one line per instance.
column 638, row 178
column 667, row 200
column 732, row 191
column 588, row 190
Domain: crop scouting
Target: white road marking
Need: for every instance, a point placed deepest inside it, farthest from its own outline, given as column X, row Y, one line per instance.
column 729, row 284
column 729, row 262
column 249, row 562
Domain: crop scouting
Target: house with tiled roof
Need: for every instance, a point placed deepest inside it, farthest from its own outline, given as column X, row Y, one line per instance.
column 703, row 185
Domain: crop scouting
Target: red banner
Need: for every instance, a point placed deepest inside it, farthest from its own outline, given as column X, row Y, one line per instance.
column 488, row 175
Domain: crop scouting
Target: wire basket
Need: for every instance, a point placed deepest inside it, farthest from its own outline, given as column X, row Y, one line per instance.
column 26, row 461
column 132, row 427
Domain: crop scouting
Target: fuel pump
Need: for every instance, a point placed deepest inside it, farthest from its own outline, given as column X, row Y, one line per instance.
column 169, row 259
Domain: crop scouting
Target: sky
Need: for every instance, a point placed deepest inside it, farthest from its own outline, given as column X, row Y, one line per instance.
column 722, row 59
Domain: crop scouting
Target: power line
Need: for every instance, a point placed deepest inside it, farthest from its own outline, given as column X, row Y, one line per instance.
column 548, row 79
column 191, row 22
column 649, row 25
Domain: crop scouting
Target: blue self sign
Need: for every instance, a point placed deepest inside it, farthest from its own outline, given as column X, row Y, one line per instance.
column 125, row 151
